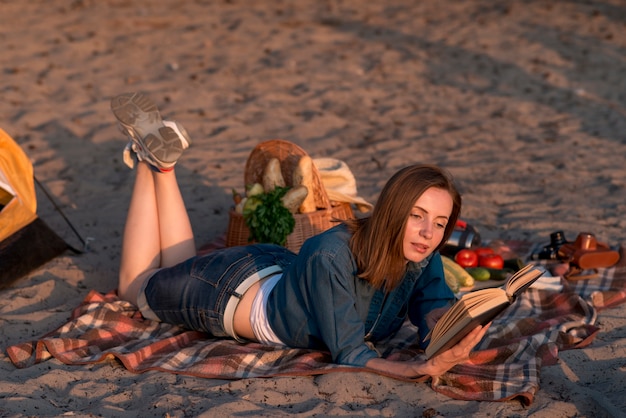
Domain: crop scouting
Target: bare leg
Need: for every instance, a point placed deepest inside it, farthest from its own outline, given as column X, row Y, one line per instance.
column 177, row 241
column 157, row 233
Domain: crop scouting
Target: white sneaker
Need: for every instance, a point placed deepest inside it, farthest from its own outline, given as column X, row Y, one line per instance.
column 131, row 156
column 180, row 131
column 152, row 141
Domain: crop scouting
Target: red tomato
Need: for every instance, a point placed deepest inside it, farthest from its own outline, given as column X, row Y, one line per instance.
column 466, row 258
column 492, row 261
column 480, row 251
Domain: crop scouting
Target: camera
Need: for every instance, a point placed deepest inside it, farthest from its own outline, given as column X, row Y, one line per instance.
column 551, row 251
column 587, row 253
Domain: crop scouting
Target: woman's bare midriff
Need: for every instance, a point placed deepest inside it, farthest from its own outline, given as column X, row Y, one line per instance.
column 241, row 319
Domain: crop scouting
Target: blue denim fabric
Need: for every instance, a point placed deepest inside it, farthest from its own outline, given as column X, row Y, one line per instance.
column 321, row 303
column 194, row 293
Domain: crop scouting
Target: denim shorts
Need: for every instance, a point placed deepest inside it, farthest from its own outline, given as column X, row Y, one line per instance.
column 195, row 293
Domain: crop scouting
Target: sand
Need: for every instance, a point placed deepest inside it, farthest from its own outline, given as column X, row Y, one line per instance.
column 522, row 101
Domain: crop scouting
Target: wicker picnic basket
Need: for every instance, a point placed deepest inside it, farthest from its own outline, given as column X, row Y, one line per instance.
column 306, row 224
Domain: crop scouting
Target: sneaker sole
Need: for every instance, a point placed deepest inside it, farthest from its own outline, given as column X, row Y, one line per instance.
column 141, row 119
column 180, row 131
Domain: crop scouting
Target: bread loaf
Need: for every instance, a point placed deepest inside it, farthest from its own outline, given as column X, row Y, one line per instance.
column 303, row 176
column 272, row 176
column 294, row 198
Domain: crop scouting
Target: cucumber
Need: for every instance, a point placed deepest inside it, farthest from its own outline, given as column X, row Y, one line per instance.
column 500, row 274
column 481, row 274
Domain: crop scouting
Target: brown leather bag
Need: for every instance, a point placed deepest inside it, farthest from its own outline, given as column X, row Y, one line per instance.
column 587, row 253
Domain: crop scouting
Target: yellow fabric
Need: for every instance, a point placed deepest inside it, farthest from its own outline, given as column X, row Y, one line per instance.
column 17, row 170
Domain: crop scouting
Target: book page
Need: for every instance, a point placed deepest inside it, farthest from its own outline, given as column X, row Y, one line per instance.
column 477, row 308
column 474, row 308
column 521, row 280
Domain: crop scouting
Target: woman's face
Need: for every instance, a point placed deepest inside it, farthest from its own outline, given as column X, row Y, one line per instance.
column 426, row 224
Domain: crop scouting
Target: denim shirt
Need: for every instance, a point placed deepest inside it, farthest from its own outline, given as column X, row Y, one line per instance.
column 320, row 302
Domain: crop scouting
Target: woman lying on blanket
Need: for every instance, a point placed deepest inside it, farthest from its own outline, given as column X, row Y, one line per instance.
column 350, row 286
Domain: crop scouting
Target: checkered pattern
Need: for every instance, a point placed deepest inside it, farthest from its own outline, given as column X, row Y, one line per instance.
column 506, row 364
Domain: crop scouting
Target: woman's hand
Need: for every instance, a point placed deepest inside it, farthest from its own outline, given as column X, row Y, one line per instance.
column 437, row 365
column 441, row 363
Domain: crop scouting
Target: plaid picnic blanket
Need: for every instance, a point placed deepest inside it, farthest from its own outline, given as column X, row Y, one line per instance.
column 506, row 364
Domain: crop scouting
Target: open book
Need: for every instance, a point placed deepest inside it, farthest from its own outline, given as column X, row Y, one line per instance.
column 477, row 308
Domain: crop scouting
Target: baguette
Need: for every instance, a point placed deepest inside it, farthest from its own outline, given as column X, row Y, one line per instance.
column 272, row 176
column 294, row 198
column 303, row 176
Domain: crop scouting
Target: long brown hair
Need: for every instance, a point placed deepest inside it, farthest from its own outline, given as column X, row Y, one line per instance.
column 377, row 241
